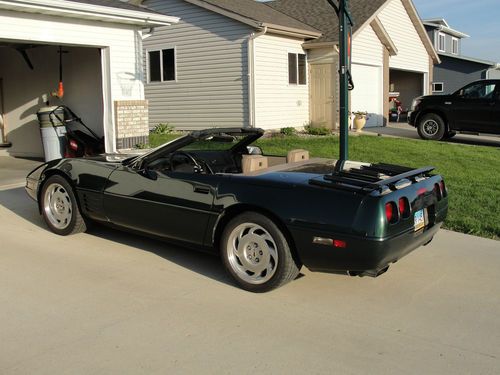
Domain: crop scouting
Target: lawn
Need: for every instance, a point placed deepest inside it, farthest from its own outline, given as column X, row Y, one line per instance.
column 472, row 173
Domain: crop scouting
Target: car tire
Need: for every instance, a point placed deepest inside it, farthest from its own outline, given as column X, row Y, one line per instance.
column 60, row 208
column 256, row 253
column 431, row 127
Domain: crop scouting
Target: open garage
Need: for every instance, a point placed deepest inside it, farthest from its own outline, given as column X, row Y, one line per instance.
column 98, row 45
column 30, row 81
column 406, row 85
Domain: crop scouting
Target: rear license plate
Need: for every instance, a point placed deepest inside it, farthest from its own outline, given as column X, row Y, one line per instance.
column 419, row 220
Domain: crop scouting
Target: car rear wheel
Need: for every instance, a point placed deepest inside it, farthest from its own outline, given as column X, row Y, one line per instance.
column 256, row 253
column 59, row 207
column 431, row 127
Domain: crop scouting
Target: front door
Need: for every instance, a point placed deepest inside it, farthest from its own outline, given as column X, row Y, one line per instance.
column 474, row 106
column 173, row 205
column 322, row 95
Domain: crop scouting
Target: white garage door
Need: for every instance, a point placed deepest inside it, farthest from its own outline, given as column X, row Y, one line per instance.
column 367, row 95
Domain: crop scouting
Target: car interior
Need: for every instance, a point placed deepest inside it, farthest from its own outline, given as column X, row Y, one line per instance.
column 223, row 154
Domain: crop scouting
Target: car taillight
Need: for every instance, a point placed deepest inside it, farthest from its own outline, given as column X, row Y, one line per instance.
column 73, row 145
column 442, row 187
column 404, row 207
column 391, row 212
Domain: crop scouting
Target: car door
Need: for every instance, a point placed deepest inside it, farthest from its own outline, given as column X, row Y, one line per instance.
column 473, row 107
column 172, row 204
column 494, row 127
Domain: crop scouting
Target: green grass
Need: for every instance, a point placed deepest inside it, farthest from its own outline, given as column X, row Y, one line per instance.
column 472, row 173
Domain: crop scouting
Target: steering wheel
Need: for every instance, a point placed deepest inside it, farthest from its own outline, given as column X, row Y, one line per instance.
column 197, row 166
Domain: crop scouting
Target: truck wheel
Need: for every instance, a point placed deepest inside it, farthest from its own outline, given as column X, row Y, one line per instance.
column 256, row 253
column 431, row 127
column 60, row 208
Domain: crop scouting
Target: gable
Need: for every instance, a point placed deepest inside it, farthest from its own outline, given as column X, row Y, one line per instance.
column 412, row 53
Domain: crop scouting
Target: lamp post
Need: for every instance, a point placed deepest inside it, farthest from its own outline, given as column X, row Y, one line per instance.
column 346, row 83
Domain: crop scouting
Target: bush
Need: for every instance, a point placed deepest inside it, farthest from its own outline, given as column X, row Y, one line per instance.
column 141, row 146
column 163, row 129
column 317, row 130
column 288, row 131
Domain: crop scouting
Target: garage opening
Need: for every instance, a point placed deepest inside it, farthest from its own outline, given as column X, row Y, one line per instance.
column 404, row 86
column 29, row 75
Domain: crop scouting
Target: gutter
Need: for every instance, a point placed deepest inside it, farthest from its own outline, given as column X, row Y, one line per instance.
column 251, row 75
column 88, row 11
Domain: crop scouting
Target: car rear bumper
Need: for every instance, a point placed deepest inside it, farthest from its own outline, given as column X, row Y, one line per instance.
column 361, row 256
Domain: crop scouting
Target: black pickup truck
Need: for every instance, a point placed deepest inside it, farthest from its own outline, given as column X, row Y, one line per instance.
column 473, row 109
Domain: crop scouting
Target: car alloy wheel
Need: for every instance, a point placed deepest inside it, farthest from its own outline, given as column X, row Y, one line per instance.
column 252, row 253
column 57, row 206
column 257, row 253
column 430, row 128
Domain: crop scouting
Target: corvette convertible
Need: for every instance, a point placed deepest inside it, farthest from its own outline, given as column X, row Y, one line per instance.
column 266, row 216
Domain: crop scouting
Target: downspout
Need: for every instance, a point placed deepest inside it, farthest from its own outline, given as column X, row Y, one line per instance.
column 251, row 75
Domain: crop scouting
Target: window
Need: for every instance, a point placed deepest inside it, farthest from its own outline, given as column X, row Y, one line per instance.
column 161, row 65
column 454, row 46
column 297, row 69
column 481, row 90
column 441, row 42
column 438, row 87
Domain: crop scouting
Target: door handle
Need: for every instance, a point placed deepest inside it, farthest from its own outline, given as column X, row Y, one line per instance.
column 201, row 190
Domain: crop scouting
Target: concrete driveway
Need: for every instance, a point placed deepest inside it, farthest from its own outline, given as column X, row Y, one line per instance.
column 404, row 130
column 108, row 302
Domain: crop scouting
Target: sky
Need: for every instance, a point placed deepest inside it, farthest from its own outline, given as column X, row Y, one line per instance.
column 480, row 19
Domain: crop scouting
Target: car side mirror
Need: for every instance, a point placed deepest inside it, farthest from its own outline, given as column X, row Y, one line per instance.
column 149, row 173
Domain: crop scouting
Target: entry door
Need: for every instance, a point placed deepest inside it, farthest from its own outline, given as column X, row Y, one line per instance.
column 175, row 205
column 322, row 94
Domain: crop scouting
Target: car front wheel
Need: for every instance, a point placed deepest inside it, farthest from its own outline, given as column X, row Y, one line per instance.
column 59, row 207
column 431, row 127
column 256, row 253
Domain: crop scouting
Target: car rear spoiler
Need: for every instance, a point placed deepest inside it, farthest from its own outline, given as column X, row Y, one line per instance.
column 366, row 178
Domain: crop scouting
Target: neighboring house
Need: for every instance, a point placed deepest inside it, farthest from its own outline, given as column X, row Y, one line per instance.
column 227, row 63
column 102, row 67
column 391, row 53
column 455, row 70
column 273, row 65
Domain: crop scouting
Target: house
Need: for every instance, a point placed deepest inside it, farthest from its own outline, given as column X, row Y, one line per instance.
column 455, row 70
column 391, row 55
column 227, row 63
column 274, row 64
column 102, row 67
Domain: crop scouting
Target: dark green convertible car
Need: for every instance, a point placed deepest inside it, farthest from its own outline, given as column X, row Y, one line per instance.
column 265, row 216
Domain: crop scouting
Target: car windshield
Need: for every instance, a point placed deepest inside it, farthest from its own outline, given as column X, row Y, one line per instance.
column 215, row 142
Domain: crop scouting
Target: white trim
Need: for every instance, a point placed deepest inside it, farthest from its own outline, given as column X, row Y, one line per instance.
column 437, row 83
column 89, row 11
column 148, row 73
column 108, row 109
column 297, row 69
column 453, row 41
column 252, row 61
column 440, row 34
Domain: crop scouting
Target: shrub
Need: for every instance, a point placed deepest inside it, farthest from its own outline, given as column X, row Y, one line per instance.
column 163, row 129
column 317, row 130
column 288, row 131
column 141, row 146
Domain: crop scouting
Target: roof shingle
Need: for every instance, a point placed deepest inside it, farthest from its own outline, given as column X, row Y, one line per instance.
column 320, row 15
column 261, row 13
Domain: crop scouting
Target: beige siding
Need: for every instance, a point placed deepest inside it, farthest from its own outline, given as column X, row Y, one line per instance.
column 212, row 72
column 278, row 104
column 412, row 54
column 367, row 48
